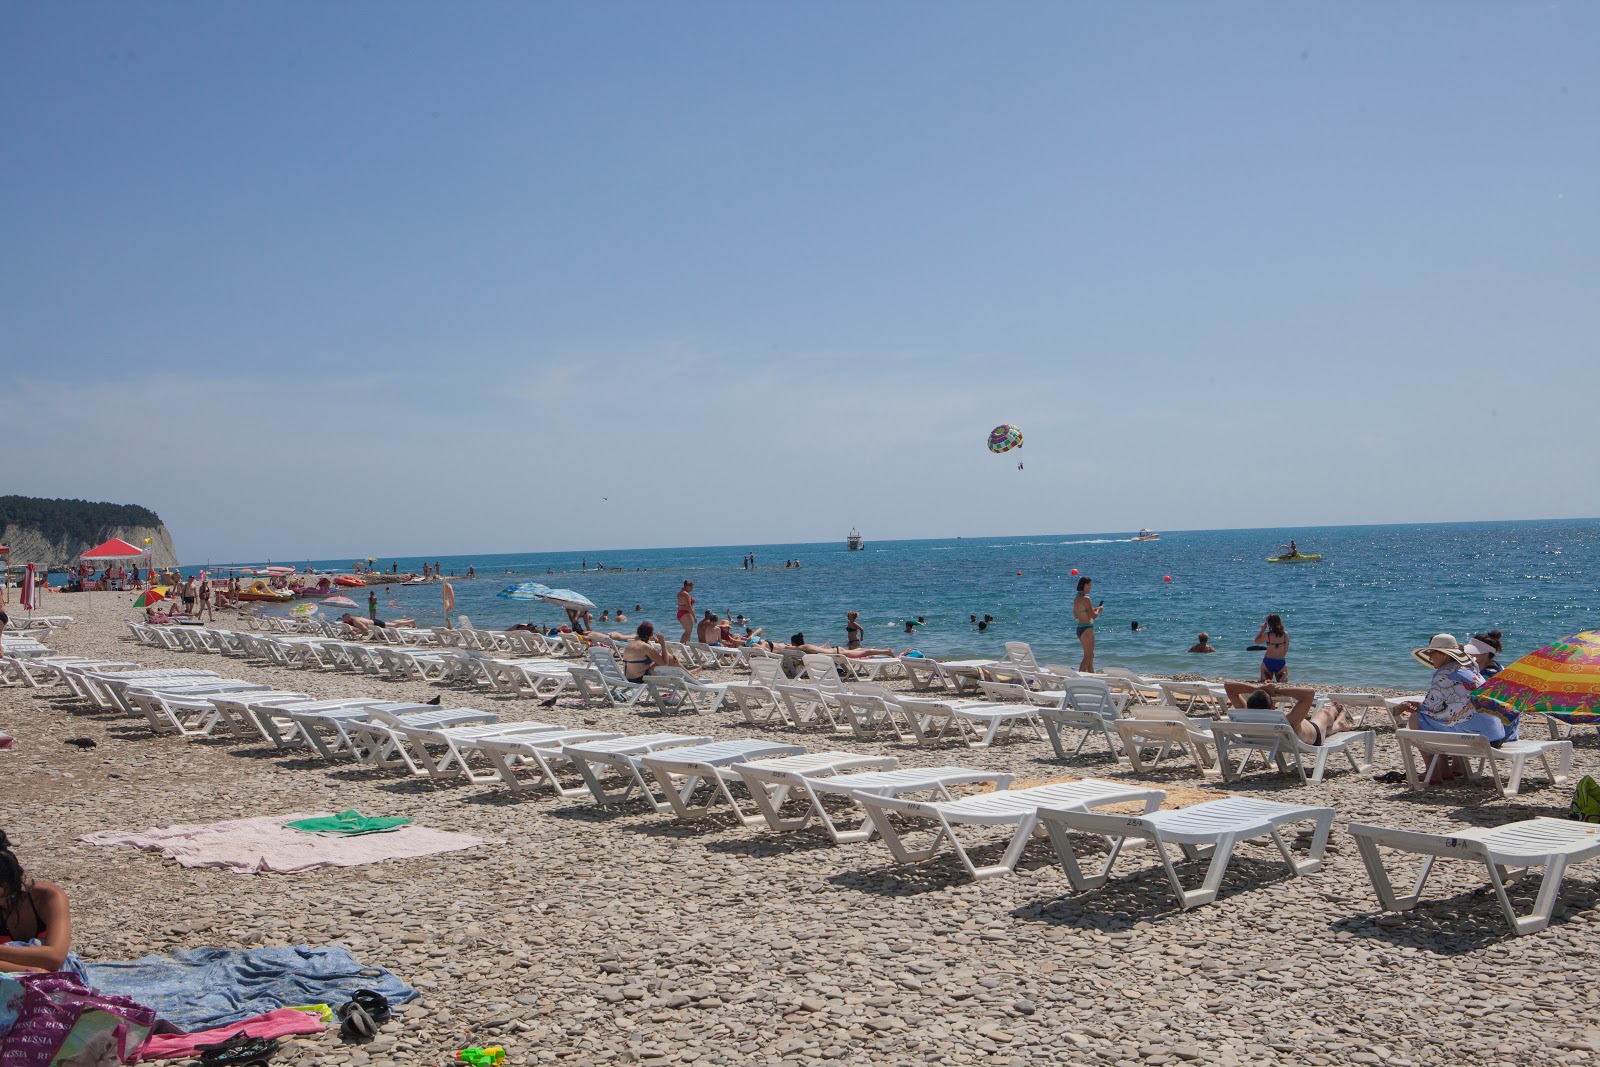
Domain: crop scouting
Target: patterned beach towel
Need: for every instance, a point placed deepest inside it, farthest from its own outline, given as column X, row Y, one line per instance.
column 265, row 843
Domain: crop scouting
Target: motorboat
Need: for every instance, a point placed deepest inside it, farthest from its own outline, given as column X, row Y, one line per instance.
column 1147, row 535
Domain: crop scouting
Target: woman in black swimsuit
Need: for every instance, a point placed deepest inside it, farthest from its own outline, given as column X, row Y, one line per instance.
column 640, row 657
column 852, row 630
column 31, row 910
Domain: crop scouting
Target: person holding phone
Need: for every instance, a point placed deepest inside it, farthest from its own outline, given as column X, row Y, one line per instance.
column 1085, row 612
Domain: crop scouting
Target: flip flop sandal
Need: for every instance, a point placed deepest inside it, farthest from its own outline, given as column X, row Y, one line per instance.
column 373, row 1003
column 240, row 1050
column 355, row 1024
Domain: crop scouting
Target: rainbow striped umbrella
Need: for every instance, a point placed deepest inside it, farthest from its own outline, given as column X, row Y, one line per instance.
column 1560, row 680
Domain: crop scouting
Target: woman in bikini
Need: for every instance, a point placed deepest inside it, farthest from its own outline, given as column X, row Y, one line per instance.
column 35, row 921
column 640, row 656
column 1312, row 727
column 852, row 630
column 1085, row 613
column 1275, row 664
column 686, row 610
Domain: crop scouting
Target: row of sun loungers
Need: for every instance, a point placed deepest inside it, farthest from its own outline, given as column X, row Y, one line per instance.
column 1105, row 708
column 917, row 812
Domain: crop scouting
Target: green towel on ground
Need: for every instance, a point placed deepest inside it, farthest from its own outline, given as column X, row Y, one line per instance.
column 347, row 824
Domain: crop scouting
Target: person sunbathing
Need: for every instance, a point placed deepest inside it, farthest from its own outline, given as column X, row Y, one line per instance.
column 35, row 919
column 797, row 643
column 1312, row 727
column 642, row 657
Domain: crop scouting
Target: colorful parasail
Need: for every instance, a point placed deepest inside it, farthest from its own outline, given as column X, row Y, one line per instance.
column 1004, row 438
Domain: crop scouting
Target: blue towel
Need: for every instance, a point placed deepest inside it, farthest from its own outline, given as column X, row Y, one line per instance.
column 199, row 988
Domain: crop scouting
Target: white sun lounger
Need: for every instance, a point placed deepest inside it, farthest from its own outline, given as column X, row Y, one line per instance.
column 1007, row 807
column 1210, row 829
column 769, row 782
column 391, row 739
column 1164, row 729
column 621, row 754
column 541, row 751
column 1543, row 842
column 334, row 730
column 1087, row 705
column 681, row 772
column 1266, row 732
column 673, row 687
column 757, row 695
column 932, row 719
column 891, row 782
column 1434, row 745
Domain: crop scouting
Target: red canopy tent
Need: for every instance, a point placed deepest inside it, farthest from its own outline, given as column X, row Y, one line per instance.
column 116, row 548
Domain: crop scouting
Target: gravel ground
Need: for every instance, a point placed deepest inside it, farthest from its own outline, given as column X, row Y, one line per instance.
column 624, row 937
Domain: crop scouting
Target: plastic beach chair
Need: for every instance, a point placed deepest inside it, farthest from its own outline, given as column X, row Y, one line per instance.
column 1266, row 731
column 890, row 782
column 1211, row 829
column 1543, row 842
column 1018, row 808
column 1434, row 745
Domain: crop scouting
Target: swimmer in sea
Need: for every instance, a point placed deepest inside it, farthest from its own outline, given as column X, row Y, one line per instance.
column 1084, row 613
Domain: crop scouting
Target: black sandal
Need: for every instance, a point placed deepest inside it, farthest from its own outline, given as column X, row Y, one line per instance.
column 361, row 1016
column 240, row 1050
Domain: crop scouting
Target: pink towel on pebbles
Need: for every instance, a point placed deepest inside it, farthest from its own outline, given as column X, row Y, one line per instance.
column 250, row 846
column 278, row 1023
column 5, row 742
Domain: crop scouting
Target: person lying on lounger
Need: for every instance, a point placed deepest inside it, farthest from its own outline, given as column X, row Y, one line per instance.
column 797, row 643
column 1312, row 727
column 35, row 921
column 641, row 656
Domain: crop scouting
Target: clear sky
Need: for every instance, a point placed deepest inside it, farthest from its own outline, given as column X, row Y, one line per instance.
column 438, row 278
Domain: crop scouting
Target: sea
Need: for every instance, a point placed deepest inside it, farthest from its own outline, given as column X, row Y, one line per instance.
column 1352, row 617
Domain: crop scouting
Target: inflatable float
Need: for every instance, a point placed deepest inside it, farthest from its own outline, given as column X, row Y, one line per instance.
column 1298, row 557
column 259, row 590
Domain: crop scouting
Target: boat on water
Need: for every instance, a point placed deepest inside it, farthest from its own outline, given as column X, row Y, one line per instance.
column 1295, row 557
column 854, row 542
column 349, row 581
column 1147, row 535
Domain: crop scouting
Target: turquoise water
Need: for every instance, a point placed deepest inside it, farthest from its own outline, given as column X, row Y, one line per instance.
column 1379, row 591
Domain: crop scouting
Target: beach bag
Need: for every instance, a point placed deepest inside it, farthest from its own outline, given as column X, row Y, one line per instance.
column 63, row 1023
column 1585, row 801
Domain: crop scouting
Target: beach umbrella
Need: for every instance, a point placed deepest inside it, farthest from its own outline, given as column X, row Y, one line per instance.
column 303, row 611
column 29, row 596
column 1561, row 681
column 340, row 601
column 525, row 591
column 566, row 598
column 151, row 595
column 116, row 548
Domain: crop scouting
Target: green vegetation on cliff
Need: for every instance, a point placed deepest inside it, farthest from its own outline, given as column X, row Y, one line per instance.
column 74, row 520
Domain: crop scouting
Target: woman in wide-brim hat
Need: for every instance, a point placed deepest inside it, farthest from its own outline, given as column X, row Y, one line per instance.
column 1448, row 704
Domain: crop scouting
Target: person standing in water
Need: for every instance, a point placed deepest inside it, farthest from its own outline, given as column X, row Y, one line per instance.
column 1275, row 664
column 686, row 610
column 852, row 630
column 1084, row 613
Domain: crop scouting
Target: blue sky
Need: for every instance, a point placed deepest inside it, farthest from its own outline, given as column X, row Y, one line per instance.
column 422, row 278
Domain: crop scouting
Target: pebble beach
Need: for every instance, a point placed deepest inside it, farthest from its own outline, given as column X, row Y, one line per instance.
column 587, row 936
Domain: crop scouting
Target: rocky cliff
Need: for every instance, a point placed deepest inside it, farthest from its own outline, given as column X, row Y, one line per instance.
column 55, row 532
